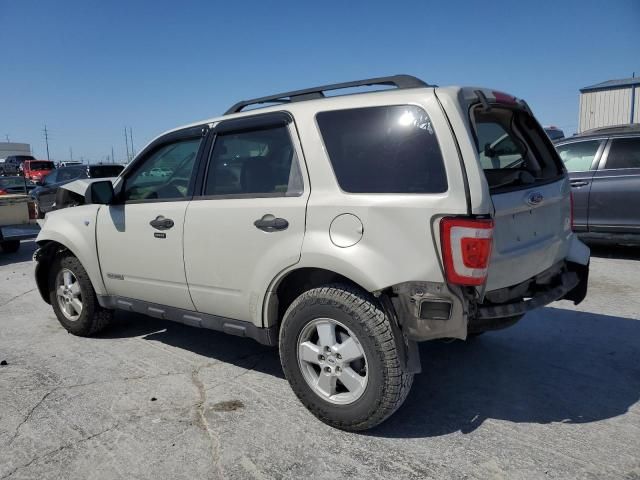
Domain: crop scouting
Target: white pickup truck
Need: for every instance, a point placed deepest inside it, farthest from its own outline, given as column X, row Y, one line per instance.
column 17, row 221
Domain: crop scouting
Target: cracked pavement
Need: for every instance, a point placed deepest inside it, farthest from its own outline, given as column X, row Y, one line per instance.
column 556, row 396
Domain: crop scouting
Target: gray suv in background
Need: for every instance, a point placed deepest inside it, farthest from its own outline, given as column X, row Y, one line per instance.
column 604, row 168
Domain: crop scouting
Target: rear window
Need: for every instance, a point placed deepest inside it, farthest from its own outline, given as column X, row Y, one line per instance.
column 41, row 165
column 390, row 149
column 105, row 171
column 513, row 149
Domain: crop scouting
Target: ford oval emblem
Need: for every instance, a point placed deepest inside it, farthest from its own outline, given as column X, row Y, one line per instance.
column 535, row 198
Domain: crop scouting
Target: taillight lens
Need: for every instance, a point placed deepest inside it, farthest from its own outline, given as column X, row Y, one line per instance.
column 466, row 249
column 3, row 192
column 32, row 210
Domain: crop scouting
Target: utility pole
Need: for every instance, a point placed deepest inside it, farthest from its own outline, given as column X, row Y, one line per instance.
column 126, row 142
column 7, row 137
column 46, row 139
column 112, row 158
column 133, row 151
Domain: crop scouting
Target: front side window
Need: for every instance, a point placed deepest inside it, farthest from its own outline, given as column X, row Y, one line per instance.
column 624, row 153
column 578, row 156
column 165, row 174
column 254, row 162
column 390, row 149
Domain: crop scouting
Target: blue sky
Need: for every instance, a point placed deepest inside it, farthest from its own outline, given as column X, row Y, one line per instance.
column 88, row 68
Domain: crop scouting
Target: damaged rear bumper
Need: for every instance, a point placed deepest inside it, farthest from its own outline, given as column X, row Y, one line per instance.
column 427, row 310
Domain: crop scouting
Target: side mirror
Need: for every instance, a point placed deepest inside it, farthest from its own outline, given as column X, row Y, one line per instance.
column 100, row 192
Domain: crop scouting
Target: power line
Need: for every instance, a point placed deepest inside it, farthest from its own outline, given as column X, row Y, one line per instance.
column 133, row 151
column 126, row 142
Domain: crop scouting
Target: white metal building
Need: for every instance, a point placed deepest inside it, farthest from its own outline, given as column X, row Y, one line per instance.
column 11, row 148
column 614, row 102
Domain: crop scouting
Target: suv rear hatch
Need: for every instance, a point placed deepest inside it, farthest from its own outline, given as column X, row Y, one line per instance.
column 528, row 186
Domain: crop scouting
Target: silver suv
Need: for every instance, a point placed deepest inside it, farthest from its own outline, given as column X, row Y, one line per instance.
column 343, row 229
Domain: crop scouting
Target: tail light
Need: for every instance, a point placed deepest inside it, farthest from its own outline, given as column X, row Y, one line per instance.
column 3, row 192
column 466, row 249
column 32, row 210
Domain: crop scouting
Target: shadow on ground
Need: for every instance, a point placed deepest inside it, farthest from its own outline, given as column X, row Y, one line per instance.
column 24, row 254
column 554, row 366
column 208, row 343
column 615, row 251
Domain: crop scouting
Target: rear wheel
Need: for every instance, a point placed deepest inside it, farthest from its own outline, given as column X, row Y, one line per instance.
column 339, row 354
column 73, row 298
column 10, row 246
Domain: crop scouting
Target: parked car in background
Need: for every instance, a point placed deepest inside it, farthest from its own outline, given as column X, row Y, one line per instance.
column 604, row 167
column 554, row 133
column 45, row 194
column 17, row 184
column 17, row 221
column 70, row 163
column 36, row 170
column 12, row 165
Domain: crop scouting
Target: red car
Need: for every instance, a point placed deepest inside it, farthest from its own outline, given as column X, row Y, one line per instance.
column 36, row 170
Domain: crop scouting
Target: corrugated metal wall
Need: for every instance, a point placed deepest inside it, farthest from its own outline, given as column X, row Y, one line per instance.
column 604, row 108
column 636, row 112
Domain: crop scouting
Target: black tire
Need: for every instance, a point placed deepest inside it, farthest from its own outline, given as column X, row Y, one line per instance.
column 387, row 385
column 93, row 318
column 10, row 246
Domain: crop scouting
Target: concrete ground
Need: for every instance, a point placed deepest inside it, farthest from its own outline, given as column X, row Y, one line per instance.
column 556, row 396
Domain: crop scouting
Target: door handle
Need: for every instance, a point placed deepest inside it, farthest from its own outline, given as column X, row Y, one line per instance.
column 579, row 183
column 161, row 223
column 269, row 223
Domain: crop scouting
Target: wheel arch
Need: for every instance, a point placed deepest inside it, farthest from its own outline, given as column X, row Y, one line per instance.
column 290, row 284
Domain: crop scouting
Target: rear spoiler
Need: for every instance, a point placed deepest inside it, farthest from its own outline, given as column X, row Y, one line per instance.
column 502, row 99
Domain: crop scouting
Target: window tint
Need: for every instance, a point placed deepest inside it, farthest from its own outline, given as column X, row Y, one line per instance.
column 254, row 162
column 383, row 150
column 104, row 171
column 165, row 174
column 499, row 148
column 578, row 156
column 68, row 174
column 624, row 153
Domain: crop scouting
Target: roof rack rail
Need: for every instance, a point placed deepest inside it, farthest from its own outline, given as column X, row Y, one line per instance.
column 398, row 81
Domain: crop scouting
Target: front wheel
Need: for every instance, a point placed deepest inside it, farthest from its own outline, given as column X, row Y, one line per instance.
column 339, row 354
column 73, row 298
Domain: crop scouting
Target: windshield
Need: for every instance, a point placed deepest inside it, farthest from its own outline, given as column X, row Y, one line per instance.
column 41, row 165
column 11, row 182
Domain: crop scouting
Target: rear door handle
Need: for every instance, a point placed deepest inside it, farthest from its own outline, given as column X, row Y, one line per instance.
column 269, row 223
column 579, row 183
column 161, row 223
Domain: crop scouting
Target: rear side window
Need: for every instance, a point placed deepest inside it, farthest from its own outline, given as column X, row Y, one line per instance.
column 390, row 149
column 513, row 149
column 578, row 156
column 624, row 153
column 254, row 163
